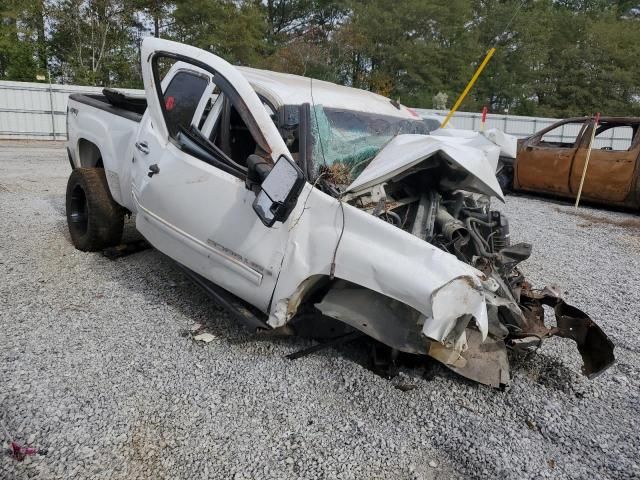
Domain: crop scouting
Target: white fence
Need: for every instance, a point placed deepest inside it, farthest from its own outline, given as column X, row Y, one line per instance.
column 37, row 111
column 618, row 138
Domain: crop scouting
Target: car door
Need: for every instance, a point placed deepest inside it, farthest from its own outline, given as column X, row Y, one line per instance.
column 543, row 162
column 191, row 199
column 612, row 163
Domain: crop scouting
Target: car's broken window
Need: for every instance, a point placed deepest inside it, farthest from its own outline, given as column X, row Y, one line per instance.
column 611, row 136
column 563, row 136
column 345, row 141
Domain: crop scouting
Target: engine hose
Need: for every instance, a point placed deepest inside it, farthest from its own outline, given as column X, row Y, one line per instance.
column 477, row 239
column 458, row 205
column 485, row 242
column 482, row 222
column 486, row 224
column 472, row 214
column 394, row 215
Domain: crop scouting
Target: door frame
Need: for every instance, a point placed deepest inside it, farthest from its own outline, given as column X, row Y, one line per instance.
column 632, row 196
column 537, row 137
column 237, row 87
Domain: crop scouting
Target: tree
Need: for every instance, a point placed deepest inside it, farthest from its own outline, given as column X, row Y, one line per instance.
column 300, row 37
column 407, row 49
column 234, row 30
column 554, row 57
column 158, row 11
column 93, row 44
column 23, row 49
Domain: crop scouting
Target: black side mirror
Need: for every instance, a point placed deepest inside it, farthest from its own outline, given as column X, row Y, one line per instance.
column 279, row 192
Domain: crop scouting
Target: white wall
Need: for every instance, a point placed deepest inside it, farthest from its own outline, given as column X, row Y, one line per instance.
column 520, row 126
column 36, row 110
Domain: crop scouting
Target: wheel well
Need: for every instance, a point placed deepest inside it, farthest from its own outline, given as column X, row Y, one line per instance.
column 90, row 156
column 311, row 289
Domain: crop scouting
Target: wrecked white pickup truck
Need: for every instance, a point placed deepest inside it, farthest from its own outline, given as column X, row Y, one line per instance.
column 310, row 208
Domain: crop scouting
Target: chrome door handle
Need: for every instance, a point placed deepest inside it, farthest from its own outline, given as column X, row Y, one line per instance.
column 143, row 147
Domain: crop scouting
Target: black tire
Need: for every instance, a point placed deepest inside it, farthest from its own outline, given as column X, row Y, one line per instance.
column 505, row 180
column 95, row 220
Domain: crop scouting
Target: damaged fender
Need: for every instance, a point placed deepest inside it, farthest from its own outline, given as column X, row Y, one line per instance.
column 377, row 273
column 457, row 297
column 453, row 305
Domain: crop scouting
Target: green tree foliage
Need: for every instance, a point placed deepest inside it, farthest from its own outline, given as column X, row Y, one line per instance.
column 231, row 29
column 413, row 49
column 554, row 57
column 157, row 11
column 22, row 40
column 92, row 42
column 301, row 37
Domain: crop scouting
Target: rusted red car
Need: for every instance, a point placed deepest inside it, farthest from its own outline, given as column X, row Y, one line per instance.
column 551, row 161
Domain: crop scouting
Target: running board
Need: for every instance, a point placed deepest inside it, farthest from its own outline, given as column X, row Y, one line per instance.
column 240, row 310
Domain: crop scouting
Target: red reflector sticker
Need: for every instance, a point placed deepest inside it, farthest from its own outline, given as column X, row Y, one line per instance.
column 169, row 103
column 413, row 112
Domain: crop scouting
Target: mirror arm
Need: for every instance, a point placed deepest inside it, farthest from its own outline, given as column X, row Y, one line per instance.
column 257, row 170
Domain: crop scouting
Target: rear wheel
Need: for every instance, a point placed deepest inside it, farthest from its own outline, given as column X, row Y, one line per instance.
column 95, row 220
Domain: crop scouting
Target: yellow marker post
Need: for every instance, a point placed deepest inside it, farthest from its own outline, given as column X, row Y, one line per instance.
column 586, row 161
column 468, row 87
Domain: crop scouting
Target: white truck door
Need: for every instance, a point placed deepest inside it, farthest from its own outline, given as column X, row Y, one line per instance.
column 202, row 122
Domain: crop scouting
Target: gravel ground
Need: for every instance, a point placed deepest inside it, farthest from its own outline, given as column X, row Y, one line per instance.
column 95, row 367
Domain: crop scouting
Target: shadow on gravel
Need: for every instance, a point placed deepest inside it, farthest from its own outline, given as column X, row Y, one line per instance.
column 155, row 277
column 632, row 223
column 547, row 371
column 564, row 202
column 405, row 367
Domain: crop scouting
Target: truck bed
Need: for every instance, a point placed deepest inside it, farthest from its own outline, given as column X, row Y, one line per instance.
column 115, row 102
column 101, row 131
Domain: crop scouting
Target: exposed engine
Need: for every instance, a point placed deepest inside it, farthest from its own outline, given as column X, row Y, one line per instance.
column 459, row 223
column 463, row 224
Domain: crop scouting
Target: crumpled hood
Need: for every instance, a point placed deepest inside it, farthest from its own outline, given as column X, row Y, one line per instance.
column 508, row 144
column 406, row 151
